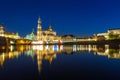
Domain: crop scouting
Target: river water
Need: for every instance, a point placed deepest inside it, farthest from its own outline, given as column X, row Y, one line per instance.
column 60, row 62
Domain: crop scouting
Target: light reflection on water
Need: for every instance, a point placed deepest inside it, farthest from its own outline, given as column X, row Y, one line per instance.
column 50, row 52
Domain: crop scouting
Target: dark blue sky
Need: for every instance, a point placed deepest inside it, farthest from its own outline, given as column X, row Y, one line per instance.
column 78, row 17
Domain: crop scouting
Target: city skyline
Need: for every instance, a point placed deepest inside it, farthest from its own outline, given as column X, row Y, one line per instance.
column 67, row 17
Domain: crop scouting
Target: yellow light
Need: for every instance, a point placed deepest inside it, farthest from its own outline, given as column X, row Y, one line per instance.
column 37, row 47
column 37, row 42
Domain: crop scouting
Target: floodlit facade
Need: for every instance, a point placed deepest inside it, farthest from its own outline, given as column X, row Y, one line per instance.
column 114, row 31
column 103, row 34
column 110, row 31
column 68, row 38
column 31, row 36
column 46, row 35
column 8, row 34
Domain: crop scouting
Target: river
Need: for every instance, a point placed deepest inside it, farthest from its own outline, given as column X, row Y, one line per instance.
column 60, row 62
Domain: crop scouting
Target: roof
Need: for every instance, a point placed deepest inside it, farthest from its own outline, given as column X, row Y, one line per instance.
column 68, row 35
column 10, row 33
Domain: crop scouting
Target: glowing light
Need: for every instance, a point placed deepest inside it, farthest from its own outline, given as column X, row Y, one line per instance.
column 74, row 48
column 47, row 47
column 37, row 42
column 55, row 48
column 107, row 51
column 61, row 42
column 11, row 42
column 11, row 48
column 61, row 47
column 37, row 47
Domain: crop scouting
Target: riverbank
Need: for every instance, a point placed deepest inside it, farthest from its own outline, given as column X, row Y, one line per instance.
column 109, row 42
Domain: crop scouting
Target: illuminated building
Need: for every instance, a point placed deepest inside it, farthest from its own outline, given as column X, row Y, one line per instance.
column 12, row 35
column 105, row 35
column 2, row 31
column 46, row 35
column 45, row 53
column 68, row 37
column 8, row 34
column 31, row 36
column 114, row 32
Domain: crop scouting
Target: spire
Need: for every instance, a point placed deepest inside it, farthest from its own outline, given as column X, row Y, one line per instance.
column 32, row 31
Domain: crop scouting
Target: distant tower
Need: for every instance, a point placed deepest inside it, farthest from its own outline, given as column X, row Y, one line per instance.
column 50, row 28
column 39, row 29
column 2, row 30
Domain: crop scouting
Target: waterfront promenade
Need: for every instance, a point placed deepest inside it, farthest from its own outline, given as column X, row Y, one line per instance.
column 9, row 41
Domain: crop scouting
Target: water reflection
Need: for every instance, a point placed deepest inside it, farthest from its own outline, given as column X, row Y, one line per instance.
column 49, row 52
column 45, row 53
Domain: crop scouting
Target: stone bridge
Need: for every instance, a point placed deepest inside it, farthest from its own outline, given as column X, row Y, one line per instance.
column 10, row 41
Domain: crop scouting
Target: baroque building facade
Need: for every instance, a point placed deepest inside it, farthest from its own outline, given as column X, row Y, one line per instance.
column 110, row 34
column 3, row 33
column 31, row 36
column 46, row 35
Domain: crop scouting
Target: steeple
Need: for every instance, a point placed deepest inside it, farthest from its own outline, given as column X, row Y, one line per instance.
column 39, row 24
column 32, row 31
column 39, row 29
column 39, row 21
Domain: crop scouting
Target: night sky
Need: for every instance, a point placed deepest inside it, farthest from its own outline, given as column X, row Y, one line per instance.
column 77, row 17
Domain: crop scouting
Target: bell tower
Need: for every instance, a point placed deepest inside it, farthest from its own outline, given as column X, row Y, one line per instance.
column 39, row 29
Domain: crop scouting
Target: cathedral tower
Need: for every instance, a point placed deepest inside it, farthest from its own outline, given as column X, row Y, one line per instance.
column 39, row 29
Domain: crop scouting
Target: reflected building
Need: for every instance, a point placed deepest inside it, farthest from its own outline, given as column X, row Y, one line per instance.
column 40, row 52
column 11, row 52
column 7, row 55
column 41, row 57
column 22, row 48
column 88, row 48
column 49, row 52
column 68, row 49
column 103, row 50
